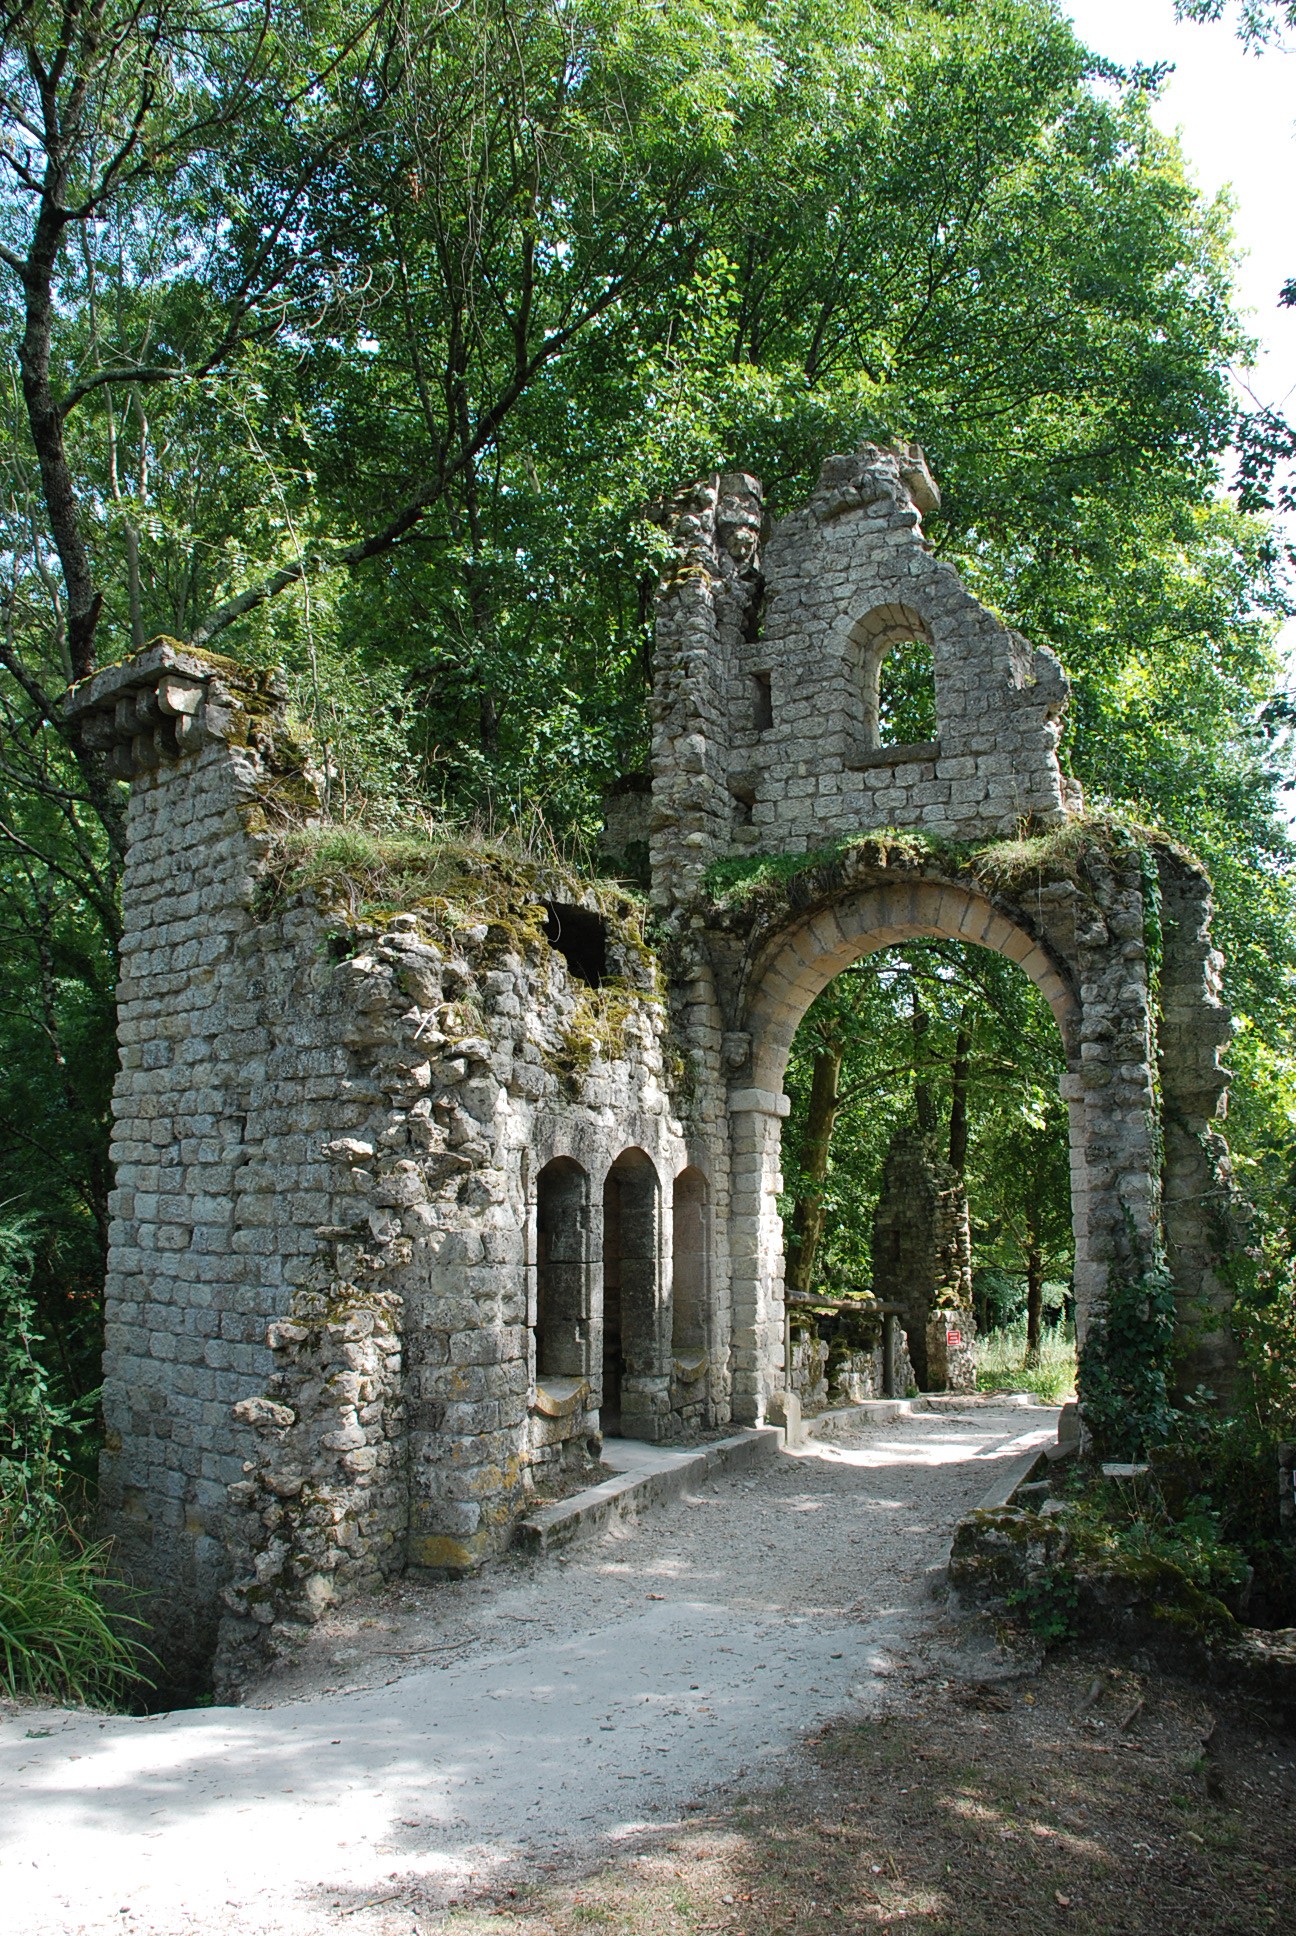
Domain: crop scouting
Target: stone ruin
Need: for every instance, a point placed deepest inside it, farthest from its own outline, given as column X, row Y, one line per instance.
column 411, row 1209
column 922, row 1260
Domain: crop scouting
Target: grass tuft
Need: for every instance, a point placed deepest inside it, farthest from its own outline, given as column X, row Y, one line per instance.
column 463, row 872
column 59, row 1641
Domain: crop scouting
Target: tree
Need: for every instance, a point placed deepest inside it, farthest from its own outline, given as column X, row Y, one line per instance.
column 1259, row 22
column 959, row 1040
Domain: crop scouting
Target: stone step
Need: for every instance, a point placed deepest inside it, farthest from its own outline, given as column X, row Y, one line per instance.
column 649, row 1475
column 846, row 1419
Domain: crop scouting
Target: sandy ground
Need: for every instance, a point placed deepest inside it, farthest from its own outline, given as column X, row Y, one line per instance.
column 450, row 1736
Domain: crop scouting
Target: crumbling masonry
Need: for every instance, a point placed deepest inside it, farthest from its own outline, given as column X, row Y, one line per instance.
column 412, row 1206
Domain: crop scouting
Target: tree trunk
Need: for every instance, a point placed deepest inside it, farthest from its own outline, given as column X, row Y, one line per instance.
column 924, row 1103
column 1034, row 1299
column 809, row 1213
column 958, row 1134
column 46, row 422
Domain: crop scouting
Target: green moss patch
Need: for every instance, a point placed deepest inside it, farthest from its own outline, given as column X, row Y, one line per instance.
column 1034, row 857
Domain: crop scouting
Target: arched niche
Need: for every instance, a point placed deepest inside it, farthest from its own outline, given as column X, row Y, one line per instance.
column 631, row 1293
column 897, row 678
column 562, row 1306
column 690, row 1263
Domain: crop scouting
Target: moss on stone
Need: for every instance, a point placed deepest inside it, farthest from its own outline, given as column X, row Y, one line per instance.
column 451, row 883
column 1044, row 856
column 595, row 1032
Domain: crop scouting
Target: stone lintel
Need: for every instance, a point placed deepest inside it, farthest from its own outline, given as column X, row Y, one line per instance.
column 907, row 754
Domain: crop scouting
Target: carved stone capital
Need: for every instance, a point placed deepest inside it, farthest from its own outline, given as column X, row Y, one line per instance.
column 169, row 701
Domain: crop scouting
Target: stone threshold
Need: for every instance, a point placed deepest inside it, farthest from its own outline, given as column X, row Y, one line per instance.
column 646, row 1475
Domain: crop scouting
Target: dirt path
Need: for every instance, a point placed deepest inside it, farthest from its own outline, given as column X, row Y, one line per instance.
column 454, row 1736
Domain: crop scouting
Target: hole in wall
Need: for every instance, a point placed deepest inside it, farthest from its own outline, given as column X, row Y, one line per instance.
column 897, row 677
column 762, row 696
column 580, row 938
column 744, row 802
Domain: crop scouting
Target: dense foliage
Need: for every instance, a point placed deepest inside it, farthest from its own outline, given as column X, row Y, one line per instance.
column 365, row 337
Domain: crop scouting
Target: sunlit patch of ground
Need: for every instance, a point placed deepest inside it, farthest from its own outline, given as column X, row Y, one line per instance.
column 1087, row 1800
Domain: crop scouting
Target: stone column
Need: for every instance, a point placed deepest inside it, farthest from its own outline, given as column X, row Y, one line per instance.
column 1120, row 1183
column 1204, row 1217
column 1089, row 1277
column 190, row 1280
column 702, row 609
column 756, row 1250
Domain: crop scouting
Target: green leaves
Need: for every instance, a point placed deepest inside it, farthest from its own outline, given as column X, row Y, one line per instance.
column 948, row 1018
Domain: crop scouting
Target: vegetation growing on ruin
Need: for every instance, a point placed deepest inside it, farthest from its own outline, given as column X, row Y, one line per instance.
column 1034, row 856
column 456, row 879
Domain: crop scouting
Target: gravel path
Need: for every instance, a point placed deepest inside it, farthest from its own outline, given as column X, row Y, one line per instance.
column 455, row 1731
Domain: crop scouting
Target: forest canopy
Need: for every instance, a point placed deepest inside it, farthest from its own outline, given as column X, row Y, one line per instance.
column 362, row 338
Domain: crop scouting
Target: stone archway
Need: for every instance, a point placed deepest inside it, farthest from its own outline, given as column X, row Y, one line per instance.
column 792, row 968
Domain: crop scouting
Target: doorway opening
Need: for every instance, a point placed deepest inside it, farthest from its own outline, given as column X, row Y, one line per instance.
column 927, row 1160
column 631, row 1295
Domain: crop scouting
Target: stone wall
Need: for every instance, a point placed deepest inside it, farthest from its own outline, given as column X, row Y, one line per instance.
column 768, row 741
column 768, row 659
column 322, row 1298
column 824, row 1374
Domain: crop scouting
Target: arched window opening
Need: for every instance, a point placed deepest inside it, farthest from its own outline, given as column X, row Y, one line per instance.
column 631, row 1249
column 691, row 1251
column 562, row 1271
column 580, row 937
column 897, row 678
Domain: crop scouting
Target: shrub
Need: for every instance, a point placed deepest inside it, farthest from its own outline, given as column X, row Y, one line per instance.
column 59, row 1639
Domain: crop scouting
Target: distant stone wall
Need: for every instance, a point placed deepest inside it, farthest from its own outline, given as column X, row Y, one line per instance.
column 922, row 1256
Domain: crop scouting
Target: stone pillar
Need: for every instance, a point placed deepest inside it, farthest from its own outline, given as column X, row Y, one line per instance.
column 756, row 1251
column 192, row 1275
column 1118, row 1229
column 703, row 608
column 1204, row 1217
column 1089, row 1278
column 922, row 1252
